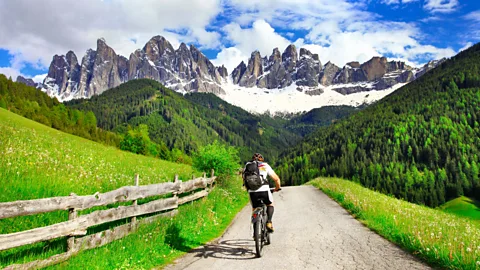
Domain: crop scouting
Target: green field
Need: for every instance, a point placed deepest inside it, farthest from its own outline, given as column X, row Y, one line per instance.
column 442, row 239
column 464, row 207
column 38, row 162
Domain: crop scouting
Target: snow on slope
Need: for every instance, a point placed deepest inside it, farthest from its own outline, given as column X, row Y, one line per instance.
column 289, row 99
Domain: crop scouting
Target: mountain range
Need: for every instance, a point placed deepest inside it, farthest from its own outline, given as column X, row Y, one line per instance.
column 187, row 69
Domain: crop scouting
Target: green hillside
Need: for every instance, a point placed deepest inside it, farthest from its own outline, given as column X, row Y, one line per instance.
column 463, row 206
column 307, row 123
column 186, row 122
column 421, row 143
column 37, row 161
column 38, row 106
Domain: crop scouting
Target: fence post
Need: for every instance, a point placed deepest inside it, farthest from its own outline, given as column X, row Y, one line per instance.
column 137, row 180
column 175, row 181
column 211, row 176
column 72, row 214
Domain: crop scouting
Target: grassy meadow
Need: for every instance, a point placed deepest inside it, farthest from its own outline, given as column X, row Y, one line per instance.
column 464, row 207
column 38, row 162
column 442, row 239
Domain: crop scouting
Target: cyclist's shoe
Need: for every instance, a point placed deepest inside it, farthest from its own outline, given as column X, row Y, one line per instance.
column 269, row 227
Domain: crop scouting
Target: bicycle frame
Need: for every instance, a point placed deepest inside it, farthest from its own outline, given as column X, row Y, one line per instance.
column 261, row 235
column 258, row 213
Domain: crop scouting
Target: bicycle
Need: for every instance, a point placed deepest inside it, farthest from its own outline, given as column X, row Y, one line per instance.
column 260, row 233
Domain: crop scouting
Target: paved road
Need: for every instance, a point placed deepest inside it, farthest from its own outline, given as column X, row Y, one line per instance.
column 311, row 232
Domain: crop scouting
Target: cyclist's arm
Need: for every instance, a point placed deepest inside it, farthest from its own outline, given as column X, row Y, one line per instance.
column 276, row 179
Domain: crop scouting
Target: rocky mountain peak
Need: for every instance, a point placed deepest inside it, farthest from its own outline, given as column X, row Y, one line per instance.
column 290, row 52
column 26, row 81
column 375, row 68
column 304, row 51
column 101, row 42
column 183, row 47
column 157, row 48
column 71, row 57
column 276, row 56
column 185, row 69
column 354, row 64
column 290, row 57
column 247, row 75
column 328, row 73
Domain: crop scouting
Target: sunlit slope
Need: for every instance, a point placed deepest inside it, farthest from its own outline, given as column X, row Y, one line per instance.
column 463, row 206
column 37, row 161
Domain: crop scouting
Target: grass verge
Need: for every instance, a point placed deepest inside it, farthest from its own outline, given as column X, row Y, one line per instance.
column 38, row 162
column 159, row 243
column 441, row 239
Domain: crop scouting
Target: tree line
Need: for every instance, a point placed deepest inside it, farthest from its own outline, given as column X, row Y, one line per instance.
column 36, row 105
column 421, row 143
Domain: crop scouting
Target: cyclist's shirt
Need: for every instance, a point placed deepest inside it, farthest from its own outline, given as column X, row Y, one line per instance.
column 265, row 170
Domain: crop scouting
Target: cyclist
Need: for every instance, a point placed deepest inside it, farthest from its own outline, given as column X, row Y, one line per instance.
column 264, row 193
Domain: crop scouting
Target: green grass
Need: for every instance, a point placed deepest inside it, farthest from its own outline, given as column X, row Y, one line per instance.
column 39, row 162
column 463, row 206
column 161, row 242
column 442, row 239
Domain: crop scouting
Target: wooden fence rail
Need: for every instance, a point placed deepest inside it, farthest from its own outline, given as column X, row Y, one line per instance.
column 78, row 225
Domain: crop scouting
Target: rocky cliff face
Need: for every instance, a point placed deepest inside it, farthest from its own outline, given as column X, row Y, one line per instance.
column 278, row 70
column 307, row 73
column 184, row 69
column 26, row 81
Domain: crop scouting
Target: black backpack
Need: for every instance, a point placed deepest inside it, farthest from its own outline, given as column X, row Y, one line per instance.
column 251, row 176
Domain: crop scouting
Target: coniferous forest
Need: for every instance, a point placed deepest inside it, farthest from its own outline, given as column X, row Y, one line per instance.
column 182, row 124
column 420, row 143
column 38, row 106
column 146, row 118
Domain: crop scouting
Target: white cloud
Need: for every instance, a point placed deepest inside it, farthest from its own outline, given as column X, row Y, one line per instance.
column 474, row 27
column 39, row 78
column 468, row 45
column 230, row 58
column 14, row 73
column 34, row 31
column 341, row 31
column 390, row 2
column 260, row 37
column 430, row 19
column 10, row 72
column 441, row 6
column 473, row 16
column 396, row 2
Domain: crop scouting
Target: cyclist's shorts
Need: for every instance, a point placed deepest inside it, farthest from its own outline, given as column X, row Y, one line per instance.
column 257, row 197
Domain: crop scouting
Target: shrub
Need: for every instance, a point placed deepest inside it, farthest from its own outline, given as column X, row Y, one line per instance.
column 223, row 159
column 3, row 104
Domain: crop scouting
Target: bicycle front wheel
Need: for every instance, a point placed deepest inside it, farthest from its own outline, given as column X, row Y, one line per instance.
column 257, row 232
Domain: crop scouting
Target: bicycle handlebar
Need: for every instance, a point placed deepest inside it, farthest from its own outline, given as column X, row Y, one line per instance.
column 273, row 190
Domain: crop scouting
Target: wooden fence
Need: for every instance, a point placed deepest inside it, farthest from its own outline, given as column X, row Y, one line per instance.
column 77, row 225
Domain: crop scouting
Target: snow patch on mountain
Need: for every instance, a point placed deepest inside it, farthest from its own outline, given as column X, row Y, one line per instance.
column 293, row 98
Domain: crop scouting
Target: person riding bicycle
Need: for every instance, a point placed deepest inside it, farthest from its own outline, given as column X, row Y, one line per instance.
column 263, row 193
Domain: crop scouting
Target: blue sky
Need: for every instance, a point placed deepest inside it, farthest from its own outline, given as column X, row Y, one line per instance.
column 228, row 31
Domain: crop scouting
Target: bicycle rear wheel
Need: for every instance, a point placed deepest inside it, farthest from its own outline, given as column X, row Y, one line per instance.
column 257, row 232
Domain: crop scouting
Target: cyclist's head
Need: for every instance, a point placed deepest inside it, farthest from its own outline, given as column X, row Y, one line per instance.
column 258, row 157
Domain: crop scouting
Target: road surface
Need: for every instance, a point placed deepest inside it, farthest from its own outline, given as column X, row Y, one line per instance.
column 311, row 232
